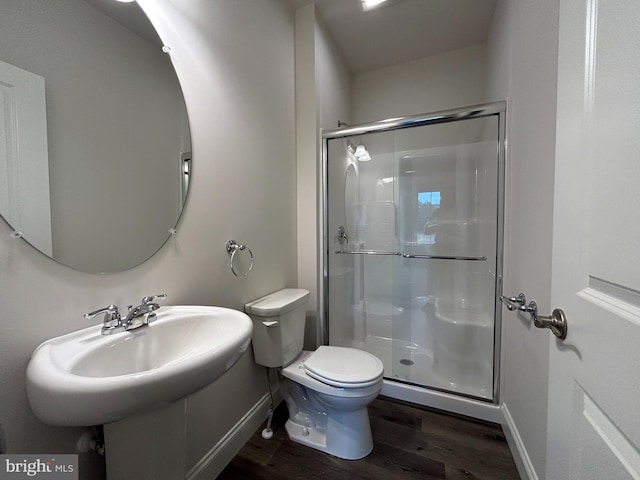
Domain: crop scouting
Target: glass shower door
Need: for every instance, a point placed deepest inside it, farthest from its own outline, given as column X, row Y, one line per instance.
column 412, row 276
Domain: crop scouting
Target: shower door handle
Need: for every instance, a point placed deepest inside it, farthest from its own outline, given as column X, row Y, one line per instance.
column 409, row 255
column 368, row 252
column 443, row 257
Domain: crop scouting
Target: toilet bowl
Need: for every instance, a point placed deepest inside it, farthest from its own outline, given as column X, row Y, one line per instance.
column 327, row 390
column 328, row 411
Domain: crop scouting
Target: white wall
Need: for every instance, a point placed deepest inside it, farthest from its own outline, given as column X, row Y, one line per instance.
column 238, row 86
column 334, row 80
column 522, row 67
column 450, row 80
column 323, row 85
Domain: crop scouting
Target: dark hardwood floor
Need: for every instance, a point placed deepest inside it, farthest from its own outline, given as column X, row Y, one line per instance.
column 409, row 443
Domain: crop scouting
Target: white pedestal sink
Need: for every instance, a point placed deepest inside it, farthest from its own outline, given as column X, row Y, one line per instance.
column 85, row 378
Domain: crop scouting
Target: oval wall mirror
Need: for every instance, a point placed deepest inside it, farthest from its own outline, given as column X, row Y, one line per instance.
column 95, row 151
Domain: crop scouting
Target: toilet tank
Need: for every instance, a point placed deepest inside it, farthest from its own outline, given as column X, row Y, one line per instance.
column 278, row 326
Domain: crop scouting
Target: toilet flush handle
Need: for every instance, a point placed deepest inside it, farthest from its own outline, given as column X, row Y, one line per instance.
column 269, row 324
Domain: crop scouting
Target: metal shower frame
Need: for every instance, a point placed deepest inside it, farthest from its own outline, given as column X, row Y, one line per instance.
column 445, row 116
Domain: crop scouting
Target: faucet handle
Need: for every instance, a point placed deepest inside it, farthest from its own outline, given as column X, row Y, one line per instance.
column 151, row 298
column 342, row 236
column 110, row 313
column 111, row 321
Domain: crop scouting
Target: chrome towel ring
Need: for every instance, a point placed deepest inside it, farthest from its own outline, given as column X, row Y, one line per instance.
column 232, row 248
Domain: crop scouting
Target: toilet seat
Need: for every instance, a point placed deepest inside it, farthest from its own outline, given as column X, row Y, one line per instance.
column 343, row 367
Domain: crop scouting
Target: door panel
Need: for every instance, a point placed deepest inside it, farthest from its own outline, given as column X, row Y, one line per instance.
column 24, row 161
column 594, row 425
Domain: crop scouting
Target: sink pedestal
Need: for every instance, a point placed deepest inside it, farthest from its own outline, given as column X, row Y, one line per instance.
column 150, row 445
column 191, row 439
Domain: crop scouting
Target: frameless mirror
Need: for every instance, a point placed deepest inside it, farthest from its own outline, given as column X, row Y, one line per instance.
column 94, row 137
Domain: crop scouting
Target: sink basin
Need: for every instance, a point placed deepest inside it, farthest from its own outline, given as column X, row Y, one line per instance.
column 86, row 378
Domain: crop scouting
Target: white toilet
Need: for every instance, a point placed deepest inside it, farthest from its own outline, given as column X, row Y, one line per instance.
column 327, row 391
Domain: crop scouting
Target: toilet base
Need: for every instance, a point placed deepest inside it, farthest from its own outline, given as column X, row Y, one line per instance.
column 347, row 435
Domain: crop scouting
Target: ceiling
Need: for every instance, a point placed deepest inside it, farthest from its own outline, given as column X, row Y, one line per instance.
column 402, row 31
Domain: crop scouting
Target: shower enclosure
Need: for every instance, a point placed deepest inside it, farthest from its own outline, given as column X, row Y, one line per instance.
column 412, row 246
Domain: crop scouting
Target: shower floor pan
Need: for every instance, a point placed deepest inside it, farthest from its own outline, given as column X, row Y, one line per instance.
column 408, row 362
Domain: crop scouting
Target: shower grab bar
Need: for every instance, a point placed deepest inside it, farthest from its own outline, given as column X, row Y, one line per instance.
column 408, row 255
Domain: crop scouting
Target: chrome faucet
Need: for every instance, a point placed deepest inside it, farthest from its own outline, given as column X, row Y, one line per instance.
column 137, row 317
column 143, row 314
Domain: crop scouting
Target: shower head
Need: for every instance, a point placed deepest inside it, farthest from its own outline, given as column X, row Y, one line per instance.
column 359, row 152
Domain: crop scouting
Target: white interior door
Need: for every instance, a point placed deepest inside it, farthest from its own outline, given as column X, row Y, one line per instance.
column 594, row 380
column 24, row 162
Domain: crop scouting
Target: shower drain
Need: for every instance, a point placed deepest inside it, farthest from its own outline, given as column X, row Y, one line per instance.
column 406, row 361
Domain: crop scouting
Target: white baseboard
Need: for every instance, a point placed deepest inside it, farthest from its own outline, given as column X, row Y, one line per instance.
column 516, row 445
column 223, row 452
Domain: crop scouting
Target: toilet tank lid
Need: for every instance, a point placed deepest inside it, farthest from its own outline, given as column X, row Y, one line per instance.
column 277, row 303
